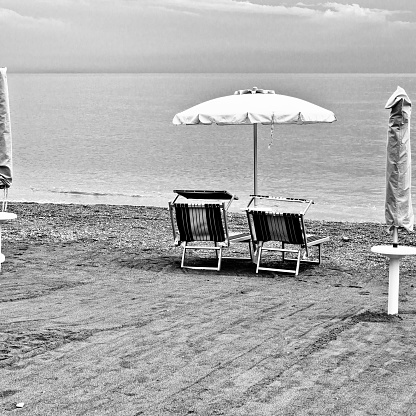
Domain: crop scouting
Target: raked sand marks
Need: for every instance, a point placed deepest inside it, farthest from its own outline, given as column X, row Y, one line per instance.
column 99, row 318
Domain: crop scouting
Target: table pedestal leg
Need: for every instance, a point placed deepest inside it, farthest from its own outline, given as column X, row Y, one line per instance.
column 393, row 303
column 394, row 254
column 4, row 217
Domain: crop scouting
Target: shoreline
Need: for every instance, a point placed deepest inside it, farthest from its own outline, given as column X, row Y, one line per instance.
column 317, row 212
column 99, row 318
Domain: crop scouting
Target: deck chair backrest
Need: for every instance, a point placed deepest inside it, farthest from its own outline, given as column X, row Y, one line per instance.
column 200, row 222
column 284, row 227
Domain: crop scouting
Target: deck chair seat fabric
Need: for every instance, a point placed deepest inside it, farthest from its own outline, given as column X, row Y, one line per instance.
column 286, row 228
column 281, row 227
column 200, row 222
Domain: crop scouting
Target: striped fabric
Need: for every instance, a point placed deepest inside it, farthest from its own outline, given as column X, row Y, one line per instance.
column 200, row 222
column 285, row 227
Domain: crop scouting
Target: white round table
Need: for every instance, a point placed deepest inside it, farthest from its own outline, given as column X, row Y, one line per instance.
column 394, row 254
column 4, row 217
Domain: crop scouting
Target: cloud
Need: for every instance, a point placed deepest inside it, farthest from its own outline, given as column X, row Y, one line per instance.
column 328, row 10
column 233, row 6
column 356, row 12
column 15, row 19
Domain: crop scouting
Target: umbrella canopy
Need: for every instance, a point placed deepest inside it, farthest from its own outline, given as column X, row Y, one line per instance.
column 398, row 207
column 255, row 106
column 5, row 133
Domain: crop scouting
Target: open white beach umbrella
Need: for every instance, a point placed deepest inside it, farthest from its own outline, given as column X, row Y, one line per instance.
column 398, row 206
column 255, row 107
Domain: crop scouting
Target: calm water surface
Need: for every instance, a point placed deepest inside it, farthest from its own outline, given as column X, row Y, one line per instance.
column 109, row 138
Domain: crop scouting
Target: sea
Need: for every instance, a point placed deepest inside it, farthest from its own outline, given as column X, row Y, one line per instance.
column 109, row 139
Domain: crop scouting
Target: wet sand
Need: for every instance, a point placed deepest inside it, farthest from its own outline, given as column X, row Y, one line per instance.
column 97, row 317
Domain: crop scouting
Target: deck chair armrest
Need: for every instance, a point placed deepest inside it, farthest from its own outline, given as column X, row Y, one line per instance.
column 313, row 240
column 239, row 237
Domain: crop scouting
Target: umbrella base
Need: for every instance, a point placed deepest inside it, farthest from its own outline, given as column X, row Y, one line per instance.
column 394, row 254
column 5, row 216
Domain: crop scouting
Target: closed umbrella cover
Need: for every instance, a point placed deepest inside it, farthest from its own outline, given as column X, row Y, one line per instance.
column 5, row 133
column 398, row 206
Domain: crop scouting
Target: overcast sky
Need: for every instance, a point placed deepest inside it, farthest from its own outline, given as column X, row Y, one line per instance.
column 208, row 36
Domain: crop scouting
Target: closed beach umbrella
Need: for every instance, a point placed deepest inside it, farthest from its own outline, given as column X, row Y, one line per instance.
column 5, row 151
column 255, row 107
column 398, row 207
column 5, row 134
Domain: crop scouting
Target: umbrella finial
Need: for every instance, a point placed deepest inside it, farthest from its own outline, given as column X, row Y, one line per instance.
column 254, row 90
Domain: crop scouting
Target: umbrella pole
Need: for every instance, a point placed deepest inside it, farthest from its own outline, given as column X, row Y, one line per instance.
column 395, row 236
column 255, row 159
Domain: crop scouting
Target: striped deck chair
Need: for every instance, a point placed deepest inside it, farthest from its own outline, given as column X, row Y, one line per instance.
column 204, row 222
column 286, row 228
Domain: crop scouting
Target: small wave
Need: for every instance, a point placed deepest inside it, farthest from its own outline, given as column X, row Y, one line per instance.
column 57, row 191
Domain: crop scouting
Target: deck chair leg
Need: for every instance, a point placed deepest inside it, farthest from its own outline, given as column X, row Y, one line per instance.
column 294, row 271
column 319, row 254
column 251, row 253
column 255, row 251
column 297, row 264
column 318, row 261
column 251, row 250
column 259, row 249
column 283, row 253
column 183, row 255
column 218, row 253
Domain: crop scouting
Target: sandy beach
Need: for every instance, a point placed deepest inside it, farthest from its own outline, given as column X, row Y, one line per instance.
column 98, row 318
